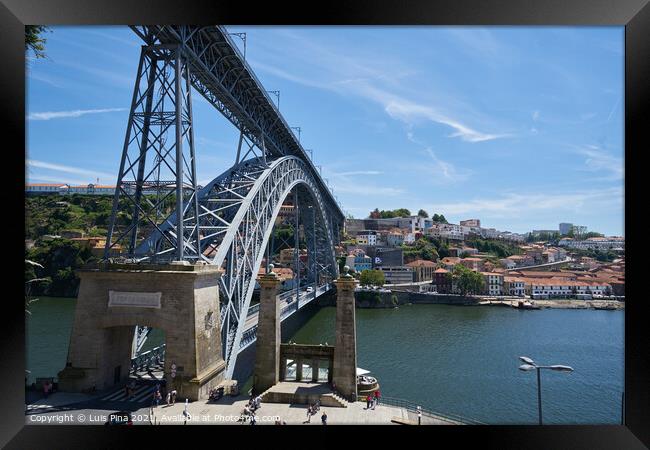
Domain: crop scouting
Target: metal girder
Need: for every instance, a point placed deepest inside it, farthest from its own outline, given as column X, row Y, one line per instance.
column 222, row 76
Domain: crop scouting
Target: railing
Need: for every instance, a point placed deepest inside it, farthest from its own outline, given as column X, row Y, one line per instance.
column 413, row 407
column 291, row 306
column 289, row 297
column 155, row 356
column 253, row 310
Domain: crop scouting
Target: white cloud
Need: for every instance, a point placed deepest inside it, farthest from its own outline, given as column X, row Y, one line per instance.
column 515, row 206
column 67, row 114
column 443, row 170
column 55, row 179
column 68, row 169
column 365, row 189
column 600, row 160
column 412, row 112
column 336, row 72
column 361, row 172
column 353, row 182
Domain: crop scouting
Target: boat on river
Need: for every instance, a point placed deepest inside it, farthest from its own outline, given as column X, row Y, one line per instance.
column 607, row 307
column 526, row 305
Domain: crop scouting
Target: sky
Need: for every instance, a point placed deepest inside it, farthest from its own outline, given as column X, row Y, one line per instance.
column 520, row 127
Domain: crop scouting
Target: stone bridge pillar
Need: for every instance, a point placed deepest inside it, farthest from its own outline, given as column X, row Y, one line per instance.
column 267, row 353
column 345, row 351
column 180, row 299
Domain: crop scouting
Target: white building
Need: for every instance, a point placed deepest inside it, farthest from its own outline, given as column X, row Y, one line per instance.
column 367, row 237
column 554, row 288
column 397, row 274
column 394, row 239
column 493, row 283
column 44, row 188
column 514, row 286
column 594, row 243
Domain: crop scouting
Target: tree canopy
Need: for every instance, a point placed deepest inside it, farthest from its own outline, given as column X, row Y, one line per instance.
column 372, row 278
column 467, row 281
column 401, row 212
column 34, row 39
column 439, row 218
column 423, row 213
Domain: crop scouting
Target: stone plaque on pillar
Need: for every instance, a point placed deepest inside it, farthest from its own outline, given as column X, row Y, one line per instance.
column 134, row 299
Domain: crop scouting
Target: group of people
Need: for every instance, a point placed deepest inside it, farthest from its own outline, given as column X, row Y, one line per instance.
column 372, row 400
column 158, row 394
column 249, row 410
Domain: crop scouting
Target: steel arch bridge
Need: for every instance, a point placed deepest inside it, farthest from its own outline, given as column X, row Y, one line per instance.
column 161, row 214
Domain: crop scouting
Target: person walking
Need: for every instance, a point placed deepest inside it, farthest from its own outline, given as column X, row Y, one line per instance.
column 368, row 401
column 169, row 398
column 323, row 418
column 377, row 396
column 419, row 416
column 310, row 411
column 174, row 396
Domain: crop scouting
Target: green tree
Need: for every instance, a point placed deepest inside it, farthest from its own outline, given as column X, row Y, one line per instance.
column 56, row 262
column 402, row 212
column 467, row 281
column 372, row 278
column 439, row 218
column 423, row 213
column 34, row 39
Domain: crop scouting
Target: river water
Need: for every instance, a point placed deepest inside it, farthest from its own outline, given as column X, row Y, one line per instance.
column 451, row 359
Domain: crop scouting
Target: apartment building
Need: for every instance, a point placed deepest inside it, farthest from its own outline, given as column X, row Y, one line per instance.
column 493, row 283
column 422, row 270
column 367, row 237
column 397, row 274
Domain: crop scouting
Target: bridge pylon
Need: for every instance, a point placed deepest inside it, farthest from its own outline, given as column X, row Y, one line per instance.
column 157, row 175
column 182, row 300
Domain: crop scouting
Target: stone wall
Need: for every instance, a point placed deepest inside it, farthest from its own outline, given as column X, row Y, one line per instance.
column 398, row 298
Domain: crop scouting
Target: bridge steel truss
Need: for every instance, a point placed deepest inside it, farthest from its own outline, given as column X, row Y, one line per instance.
column 160, row 214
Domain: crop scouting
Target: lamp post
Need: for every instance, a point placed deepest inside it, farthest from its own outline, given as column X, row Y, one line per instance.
column 530, row 365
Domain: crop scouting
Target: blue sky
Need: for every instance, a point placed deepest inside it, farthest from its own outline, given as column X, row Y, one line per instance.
column 521, row 127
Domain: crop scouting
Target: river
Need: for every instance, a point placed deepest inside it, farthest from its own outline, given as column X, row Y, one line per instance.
column 451, row 359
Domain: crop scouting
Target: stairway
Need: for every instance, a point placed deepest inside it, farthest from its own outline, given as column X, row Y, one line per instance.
column 334, row 400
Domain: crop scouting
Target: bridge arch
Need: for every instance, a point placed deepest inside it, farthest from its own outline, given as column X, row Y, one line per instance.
column 237, row 212
column 241, row 251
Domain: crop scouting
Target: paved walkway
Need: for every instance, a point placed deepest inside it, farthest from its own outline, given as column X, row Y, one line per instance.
column 228, row 411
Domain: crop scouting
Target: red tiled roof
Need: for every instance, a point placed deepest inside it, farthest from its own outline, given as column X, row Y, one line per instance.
column 421, row 263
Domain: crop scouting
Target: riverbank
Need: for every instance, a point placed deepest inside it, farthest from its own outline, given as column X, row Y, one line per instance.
column 558, row 303
column 397, row 298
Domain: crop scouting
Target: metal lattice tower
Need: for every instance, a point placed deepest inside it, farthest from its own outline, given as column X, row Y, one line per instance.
column 158, row 158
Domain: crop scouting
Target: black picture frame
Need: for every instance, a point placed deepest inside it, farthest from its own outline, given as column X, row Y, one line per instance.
column 633, row 14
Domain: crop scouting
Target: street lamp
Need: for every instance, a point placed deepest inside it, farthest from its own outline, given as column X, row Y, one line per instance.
column 241, row 36
column 299, row 130
column 530, row 365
